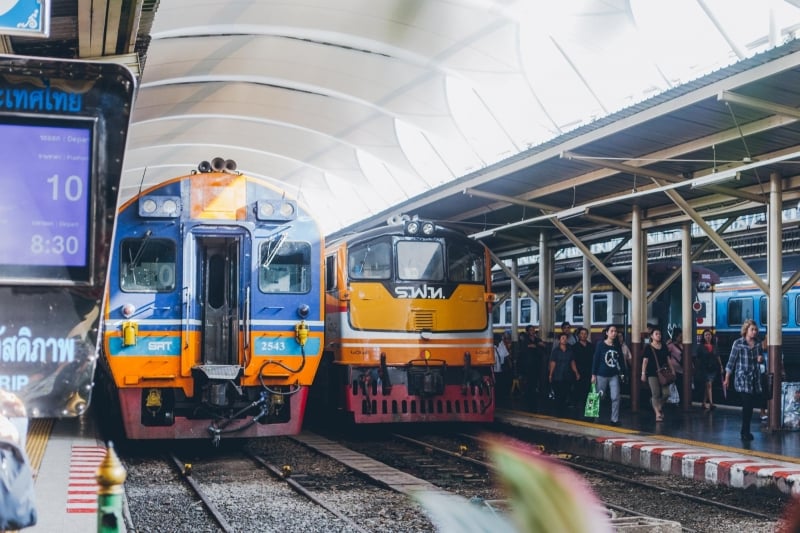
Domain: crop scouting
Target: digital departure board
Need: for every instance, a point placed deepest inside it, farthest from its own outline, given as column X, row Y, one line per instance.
column 63, row 130
column 45, row 205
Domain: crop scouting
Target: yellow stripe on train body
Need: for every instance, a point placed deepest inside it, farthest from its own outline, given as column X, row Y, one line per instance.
column 371, row 307
column 175, row 371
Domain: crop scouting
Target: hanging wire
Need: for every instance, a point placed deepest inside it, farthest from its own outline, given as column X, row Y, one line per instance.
column 746, row 148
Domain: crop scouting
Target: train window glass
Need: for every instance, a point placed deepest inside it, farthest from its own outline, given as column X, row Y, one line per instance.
column 147, row 265
column 465, row 262
column 739, row 310
column 285, row 266
column 525, row 311
column 420, row 260
column 763, row 308
column 600, row 308
column 577, row 308
column 507, row 312
column 561, row 312
column 370, row 260
column 496, row 315
column 330, row 272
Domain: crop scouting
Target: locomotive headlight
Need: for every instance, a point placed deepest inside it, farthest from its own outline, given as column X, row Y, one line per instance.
column 170, row 207
column 412, row 228
column 265, row 209
column 427, row 228
column 149, row 206
column 160, row 206
column 287, row 209
column 128, row 310
column 278, row 210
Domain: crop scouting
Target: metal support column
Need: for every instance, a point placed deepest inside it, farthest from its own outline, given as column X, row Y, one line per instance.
column 638, row 255
column 587, row 295
column 687, row 324
column 775, row 281
column 514, row 303
column 546, row 288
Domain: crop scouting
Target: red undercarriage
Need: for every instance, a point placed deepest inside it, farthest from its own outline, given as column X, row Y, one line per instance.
column 185, row 428
column 395, row 405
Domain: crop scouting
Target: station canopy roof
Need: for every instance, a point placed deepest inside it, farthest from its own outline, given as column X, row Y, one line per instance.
column 361, row 108
column 358, row 105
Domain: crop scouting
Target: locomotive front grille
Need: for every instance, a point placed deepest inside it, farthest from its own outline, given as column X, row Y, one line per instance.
column 421, row 320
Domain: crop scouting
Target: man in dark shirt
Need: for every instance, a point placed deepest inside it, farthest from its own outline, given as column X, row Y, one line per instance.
column 531, row 363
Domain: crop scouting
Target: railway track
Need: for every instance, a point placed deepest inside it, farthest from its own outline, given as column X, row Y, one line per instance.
column 204, row 482
column 365, row 486
column 626, row 491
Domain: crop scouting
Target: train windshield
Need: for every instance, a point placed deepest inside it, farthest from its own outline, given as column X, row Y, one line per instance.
column 420, row 260
column 370, row 260
column 465, row 262
column 147, row 265
column 285, row 267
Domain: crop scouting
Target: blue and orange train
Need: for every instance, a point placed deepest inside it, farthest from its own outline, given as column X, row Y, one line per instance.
column 213, row 317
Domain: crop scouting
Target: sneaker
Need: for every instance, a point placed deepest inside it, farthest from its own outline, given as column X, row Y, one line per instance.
column 615, row 424
column 764, row 418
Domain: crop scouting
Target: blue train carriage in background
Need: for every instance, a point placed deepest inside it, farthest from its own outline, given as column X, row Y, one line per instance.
column 214, row 319
column 63, row 126
column 407, row 330
column 738, row 299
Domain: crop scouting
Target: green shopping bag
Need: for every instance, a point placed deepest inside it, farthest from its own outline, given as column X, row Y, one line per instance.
column 592, row 409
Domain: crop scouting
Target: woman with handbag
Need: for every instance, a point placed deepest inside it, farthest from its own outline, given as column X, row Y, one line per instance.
column 654, row 357
column 743, row 365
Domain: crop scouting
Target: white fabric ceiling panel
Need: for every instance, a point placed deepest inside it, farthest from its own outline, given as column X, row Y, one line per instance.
column 363, row 103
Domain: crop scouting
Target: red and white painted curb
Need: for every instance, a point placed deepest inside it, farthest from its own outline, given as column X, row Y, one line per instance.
column 82, row 484
column 702, row 464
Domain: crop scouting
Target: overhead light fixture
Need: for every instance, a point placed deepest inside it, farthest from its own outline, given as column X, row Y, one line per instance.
column 490, row 232
column 716, row 178
column 571, row 213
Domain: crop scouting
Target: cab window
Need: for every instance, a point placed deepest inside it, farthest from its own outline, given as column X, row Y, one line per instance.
column 147, row 265
column 284, row 267
column 370, row 260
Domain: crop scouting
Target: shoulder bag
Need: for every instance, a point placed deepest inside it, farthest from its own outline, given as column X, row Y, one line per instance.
column 592, row 407
column 665, row 373
column 17, row 497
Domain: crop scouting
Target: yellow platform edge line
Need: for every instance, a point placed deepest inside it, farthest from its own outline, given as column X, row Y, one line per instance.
column 39, row 430
column 667, row 438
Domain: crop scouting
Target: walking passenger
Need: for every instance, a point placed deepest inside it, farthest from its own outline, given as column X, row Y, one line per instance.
column 561, row 372
column 583, row 352
column 743, row 365
column 567, row 330
column 531, row 363
column 675, row 347
column 655, row 356
column 502, row 377
column 627, row 356
column 708, row 367
column 606, row 367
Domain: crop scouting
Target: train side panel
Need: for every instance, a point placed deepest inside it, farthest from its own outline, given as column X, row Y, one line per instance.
column 213, row 326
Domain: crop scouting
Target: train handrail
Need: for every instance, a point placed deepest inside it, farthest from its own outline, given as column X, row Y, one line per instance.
column 246, row 324
column 185, row 320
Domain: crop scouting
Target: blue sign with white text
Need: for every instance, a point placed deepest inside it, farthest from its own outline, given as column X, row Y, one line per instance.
column 25, row 17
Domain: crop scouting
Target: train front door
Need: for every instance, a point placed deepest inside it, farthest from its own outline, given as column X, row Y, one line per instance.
column 219, row 258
